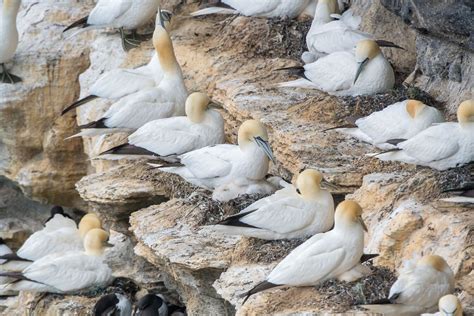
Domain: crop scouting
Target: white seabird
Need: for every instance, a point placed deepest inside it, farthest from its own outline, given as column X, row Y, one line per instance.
column 60, row 234
column 347, row 74
column 66, row 271
column 292, row 212
column 268, row 8
column 115, row 304
column 118, row 83
column 323, row 256
column 214, row 166
column 162, row 101
column 442, row 146
column 421, row 283
column 121, row 15
column 201, row 127
column 462, row 194
column 9, row 38
column 401, row 120
column 151, row 304
column 449, row 305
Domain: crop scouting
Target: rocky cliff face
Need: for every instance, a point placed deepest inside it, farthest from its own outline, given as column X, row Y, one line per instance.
column 164, row 219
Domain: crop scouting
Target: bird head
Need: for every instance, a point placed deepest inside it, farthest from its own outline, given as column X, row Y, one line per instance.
column 308, row 183
column 414, row 107
column 95, row 241
column 164, row 46
column 366, row 50
column 435, row 262
column 449, row 305
column 253, row 131
column 348, row 214
column 88, row 222
column 11, row 5
column 466, row 112
column 196, row 106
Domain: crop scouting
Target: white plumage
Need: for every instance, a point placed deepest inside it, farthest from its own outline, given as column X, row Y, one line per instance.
column 345, row 73
column 401, row 120
column 449, row 305
column 421, row 283
column 441, row 147
column 8, row 37
column 114, row 304
column 262, row 8
column 67, row 271
column 211, row 167
column 286, row 214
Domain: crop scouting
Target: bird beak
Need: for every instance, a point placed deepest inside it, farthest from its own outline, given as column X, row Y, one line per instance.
column 108, row 245
column 383, row 43
column 263, row 144
column 328, row 185
column 298, row 191
column 163, row 19
column 361, row 221
column 361, row 67
column 215, row 105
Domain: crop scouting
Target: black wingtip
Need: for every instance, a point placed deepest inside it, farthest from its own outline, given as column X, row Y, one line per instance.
column 78, row 103
column 13, row 257
column 95, row 124
column 297, row 71
column 263, row 286
column 234, row 220
column 82, row 23
column 340, row 126
column 128, row 149
column 383, row 43
column 367, row 257
column 395, row 141
column 388, row 151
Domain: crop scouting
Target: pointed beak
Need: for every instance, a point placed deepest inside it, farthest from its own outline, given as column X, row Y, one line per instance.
column 361, row 221
column 383, row 43
column 328, row 185
column 263, row 144
column 361, row 67
column 108, row 245
column 215, row 105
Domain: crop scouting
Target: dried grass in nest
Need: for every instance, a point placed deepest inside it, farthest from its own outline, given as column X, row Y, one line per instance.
column 341, row 296
column 265, row 251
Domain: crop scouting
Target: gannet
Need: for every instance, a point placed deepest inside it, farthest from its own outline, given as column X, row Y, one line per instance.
column 8, row 38
column 292, row 212
column 58, row 210
column 174, row 136
column 214, row 166
column 115, row 304
column 66, row 271
column 4, row 251
column 151, row 305
column 267, row 8
column 60, row 234
column 420, row 284
column 345, row 73
column 400, row 120
column 118, row 83
column 162, row 101
column 449, row 305
column 462, row 194
column 119, row 14
column 323, row 256
column 442, row 146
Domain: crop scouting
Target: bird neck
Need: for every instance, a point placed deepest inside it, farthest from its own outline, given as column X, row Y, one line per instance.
column 322, row 14
column 10, row 11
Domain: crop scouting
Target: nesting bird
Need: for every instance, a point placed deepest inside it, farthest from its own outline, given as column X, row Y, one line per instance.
column 292, row 212
column 151, row 305
column 347, row 74
column 66, row 271
column 119, row 14
column 323, row 256
column 401, row 120
column 269, row 8
column 118, row 83
column 60, row 234
column 115, row 304
column 214, row 166
column 420, row 284
column 164, row 100
column 8, row 38
column 442, row 146
column 170, row 137
column 449, row 305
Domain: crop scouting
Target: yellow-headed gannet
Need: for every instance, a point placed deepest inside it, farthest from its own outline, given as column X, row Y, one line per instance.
column 449, row 305
column 162, row 101
column 292, row 212
column 118, row 83
column 345, row 73
column 214, row 166
column 267, row 8
column 420, row 284
column 323, row 256
column 60, row 234
column 461, row 194
column 66, row 271
column 442, row 146
column 119, row 14
column 401, row 120
column 170, row 137
column 114, row 304
column 8, row 38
